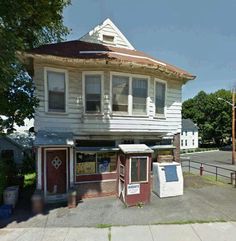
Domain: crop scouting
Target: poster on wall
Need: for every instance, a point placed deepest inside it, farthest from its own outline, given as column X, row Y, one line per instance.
column 86, row 168
column 104, row 166
column 133, row 189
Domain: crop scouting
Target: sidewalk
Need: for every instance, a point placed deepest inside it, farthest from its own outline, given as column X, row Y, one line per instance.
column 186, row 232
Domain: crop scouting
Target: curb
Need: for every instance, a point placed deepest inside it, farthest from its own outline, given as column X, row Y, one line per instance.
column 197, row 152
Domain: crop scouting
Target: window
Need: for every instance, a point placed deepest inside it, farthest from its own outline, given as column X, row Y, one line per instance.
column 182, row 142
column 186, row 133
column 138, row 172
column 93, row 93
column 120, row 92
column 139, row 92
column 56, row 91
column 186, row 142
column 108, row 38
column 193, row 133
column 106, row 162
column 93, row 163
column 193, row 142
column 160, row 98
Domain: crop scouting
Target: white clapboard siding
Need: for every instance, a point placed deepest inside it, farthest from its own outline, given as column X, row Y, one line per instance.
column 76, row 121
column 107, row 28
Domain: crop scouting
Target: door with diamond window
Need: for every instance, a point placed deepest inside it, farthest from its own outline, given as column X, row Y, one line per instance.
column 56, row 171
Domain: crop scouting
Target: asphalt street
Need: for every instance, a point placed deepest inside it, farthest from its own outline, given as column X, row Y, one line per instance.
column 221, row 159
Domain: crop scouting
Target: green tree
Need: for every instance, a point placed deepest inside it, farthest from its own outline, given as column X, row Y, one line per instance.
column 24, row 25
column 212, row 116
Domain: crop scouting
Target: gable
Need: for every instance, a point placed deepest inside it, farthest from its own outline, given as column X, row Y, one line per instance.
column 107, row 34
column 188, row 125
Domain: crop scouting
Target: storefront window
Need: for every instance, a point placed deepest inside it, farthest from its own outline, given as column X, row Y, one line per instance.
column 95, row 163
column 86, row 163
column 106, row 162
column 138, row 169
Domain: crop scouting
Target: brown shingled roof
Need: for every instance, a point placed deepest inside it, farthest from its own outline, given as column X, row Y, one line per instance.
column 85, row 50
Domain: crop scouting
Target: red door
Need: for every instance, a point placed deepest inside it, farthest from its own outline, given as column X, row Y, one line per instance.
column 56, row 171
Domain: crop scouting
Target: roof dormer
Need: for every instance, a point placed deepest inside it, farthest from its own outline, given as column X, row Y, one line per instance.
column 107, row 34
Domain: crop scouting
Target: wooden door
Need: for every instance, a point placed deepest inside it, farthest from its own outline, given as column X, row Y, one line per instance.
column 56, row 171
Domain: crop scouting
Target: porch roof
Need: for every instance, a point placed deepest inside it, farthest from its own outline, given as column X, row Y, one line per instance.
column 162, row 147
column 44, row 138
column 135, row 148
column 97, row 149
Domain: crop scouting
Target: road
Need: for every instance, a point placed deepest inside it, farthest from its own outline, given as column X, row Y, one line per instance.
column 217, row 158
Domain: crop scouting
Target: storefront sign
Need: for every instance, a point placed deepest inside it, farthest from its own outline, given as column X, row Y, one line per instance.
column 133, row 189
column 86, row 168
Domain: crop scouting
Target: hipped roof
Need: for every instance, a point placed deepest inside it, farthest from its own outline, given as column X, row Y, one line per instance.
column 84, row 51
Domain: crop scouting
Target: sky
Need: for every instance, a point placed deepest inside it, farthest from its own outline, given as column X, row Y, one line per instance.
column 198, row 36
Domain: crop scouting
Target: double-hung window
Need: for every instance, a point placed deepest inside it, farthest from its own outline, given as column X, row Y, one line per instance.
column 56, row 91
column 93, row 88
column 120, row 92
column 139, row 93
column 160, row 90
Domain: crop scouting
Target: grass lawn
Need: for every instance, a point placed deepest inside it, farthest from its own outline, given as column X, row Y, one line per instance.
column 30, row 180
column 196, row 181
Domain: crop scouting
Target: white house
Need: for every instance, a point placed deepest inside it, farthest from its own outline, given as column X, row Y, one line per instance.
column 189, row 135
column 96, row 93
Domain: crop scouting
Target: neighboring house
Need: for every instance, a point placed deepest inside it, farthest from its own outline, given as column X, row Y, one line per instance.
column 10, row 149
column 96, row 93
column 189, row 135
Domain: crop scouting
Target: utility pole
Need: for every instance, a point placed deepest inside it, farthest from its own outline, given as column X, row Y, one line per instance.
column 233, row 127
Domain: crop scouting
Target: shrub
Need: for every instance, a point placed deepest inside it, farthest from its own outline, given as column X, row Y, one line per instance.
column 28, row 165
column 7, row 174
column 3, row 179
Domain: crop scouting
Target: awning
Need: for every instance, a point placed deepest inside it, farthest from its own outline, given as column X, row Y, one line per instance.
column 135, row 148
column 162, row 147
column 96, row 149
column 44, row 138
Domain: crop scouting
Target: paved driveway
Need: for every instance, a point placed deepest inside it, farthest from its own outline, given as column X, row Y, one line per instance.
column 203, row 202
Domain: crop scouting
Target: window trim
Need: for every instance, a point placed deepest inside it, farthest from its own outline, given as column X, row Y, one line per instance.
column 101, row 73
column 130, row 94
column 46, row 94
column 130, row 159
column 166, row 86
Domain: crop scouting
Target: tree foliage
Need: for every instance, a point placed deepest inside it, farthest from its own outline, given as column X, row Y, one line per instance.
column 24, row 24
column 212, row 116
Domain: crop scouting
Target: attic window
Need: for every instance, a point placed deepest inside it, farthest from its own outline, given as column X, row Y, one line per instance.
column 108, row 38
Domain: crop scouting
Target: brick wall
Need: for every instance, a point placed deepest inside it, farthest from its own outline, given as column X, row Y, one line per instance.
column 96, row 189
column 176, row 143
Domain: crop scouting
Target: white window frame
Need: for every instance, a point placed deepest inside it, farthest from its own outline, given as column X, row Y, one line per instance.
column 130, row 169
column 158, row 115
column 46, row 97
column 130, row 94
column 101, row 73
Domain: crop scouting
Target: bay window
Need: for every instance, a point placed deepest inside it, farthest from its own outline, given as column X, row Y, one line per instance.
column 120, row 92
column 139, row 92
column 160, row 90
column 56, row 91
column 93, row 93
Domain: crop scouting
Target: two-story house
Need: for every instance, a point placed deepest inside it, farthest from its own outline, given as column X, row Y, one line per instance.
column 96, row 93
column 189, row 135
